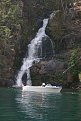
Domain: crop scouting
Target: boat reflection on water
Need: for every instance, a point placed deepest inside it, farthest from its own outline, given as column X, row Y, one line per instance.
column 36, row 105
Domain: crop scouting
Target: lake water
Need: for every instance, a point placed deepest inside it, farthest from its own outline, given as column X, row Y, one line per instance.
column 18, row 106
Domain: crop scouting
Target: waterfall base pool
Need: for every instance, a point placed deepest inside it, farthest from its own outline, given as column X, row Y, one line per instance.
column 16, row 105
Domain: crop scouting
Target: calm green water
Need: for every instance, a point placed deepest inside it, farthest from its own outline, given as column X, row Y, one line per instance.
column 18, row 106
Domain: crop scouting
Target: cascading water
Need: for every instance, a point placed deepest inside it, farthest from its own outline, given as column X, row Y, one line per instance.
column 33, row 56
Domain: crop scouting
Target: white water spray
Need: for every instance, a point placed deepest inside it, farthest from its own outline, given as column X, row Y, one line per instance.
column 32, row 55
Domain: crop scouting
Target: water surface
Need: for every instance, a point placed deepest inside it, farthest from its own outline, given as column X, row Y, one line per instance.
column 18, row 106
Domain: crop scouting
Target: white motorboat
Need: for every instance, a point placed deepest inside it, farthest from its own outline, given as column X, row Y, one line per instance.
column 47, row 88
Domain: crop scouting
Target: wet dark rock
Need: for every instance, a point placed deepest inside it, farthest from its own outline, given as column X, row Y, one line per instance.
column 48, row 71
column 63, row 30
column 6, row 83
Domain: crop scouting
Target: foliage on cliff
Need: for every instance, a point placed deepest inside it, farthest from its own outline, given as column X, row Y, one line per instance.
column 17, row 30
column 9, row 35
column 74, row 64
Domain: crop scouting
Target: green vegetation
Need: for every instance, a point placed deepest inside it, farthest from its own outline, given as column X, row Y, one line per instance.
column 74, row 64
column 16, row 32
column 10, row 20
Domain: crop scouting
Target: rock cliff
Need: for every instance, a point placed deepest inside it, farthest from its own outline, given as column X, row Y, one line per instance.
column 64, row 30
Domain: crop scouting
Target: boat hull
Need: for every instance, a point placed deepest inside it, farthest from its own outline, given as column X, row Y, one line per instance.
column 52, row 89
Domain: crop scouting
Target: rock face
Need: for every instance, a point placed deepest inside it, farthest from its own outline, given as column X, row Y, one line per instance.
column 64, row 29
column 34, row 11
column 9, row 41
column 32, row 14
column 50, row 71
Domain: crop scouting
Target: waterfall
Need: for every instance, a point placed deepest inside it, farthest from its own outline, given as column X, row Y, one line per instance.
column 33, row 56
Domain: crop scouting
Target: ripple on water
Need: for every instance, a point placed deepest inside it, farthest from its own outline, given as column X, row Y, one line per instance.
column 18, row 106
